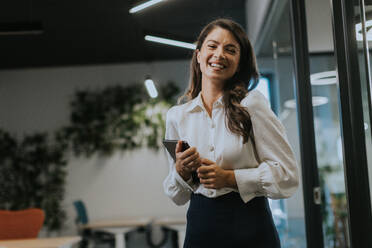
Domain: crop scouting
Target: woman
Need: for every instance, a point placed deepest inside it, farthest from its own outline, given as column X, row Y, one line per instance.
column 239, row 149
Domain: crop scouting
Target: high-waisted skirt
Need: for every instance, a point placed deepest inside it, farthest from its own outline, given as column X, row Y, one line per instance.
column 228, row 222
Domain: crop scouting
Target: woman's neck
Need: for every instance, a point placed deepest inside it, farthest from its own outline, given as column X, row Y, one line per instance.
column 211, row 91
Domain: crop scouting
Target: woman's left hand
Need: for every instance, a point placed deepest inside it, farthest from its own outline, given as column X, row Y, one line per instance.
column 213, row 176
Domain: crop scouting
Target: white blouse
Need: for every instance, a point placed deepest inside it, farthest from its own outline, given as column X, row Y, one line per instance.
column 275, row 175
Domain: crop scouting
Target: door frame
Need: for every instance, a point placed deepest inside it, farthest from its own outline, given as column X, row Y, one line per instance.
column 310, row 175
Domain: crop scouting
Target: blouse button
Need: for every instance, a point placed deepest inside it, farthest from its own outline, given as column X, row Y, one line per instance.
column 211, row 148
column 213, row 125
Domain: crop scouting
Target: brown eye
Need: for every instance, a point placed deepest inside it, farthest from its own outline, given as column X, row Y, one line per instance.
column 231, row 50
column 212, row 46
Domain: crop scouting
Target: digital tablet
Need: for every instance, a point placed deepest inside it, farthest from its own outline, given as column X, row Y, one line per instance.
column 171, row 147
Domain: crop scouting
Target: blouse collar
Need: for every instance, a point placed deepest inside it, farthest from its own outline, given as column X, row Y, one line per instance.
column 197, row 103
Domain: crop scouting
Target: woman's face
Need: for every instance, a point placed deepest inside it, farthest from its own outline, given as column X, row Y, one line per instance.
column 219, row 55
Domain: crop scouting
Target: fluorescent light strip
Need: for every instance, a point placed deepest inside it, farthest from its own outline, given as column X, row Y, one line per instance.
column 324, row 78
column 143, row 6
column 151, row 89
column 21, row 32
column 317, row 101
column 170, row 42
column 21, row 28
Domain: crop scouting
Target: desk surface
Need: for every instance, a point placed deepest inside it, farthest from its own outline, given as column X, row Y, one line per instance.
column 133, row 222
column 170, row 221
column 40, row 243
column 118, row 223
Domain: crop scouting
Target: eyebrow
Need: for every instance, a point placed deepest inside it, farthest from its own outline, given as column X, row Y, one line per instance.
column 226, row 45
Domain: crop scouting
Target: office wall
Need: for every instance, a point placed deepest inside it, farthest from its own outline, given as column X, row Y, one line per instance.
column 124, row 185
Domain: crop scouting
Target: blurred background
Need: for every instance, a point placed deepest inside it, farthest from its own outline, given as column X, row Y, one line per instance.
column 83, row 97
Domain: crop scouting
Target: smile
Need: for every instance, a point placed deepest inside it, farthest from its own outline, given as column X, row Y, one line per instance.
column 215, row 65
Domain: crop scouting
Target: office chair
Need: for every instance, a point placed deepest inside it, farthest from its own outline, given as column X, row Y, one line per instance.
column 142, row 237
column 21, row 224
column 97, row 237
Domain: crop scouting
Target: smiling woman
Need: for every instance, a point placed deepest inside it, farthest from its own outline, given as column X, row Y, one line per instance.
column 219, row 56
column 239, row 149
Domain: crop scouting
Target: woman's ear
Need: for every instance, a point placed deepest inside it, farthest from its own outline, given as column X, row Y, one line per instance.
column 197, row 55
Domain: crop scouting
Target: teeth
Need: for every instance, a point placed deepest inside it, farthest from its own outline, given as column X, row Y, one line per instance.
column 217, row 65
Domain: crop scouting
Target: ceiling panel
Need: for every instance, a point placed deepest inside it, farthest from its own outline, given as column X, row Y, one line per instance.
column 100, row 31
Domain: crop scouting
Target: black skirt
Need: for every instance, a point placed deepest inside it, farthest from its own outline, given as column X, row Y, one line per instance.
column 228, row 222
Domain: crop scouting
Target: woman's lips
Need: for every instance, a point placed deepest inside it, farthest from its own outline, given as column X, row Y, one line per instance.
column 217, row 66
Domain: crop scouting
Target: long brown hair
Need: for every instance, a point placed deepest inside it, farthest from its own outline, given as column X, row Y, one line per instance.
column 237, row 87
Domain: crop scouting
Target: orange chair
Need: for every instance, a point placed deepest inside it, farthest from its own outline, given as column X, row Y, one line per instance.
column 21, row 224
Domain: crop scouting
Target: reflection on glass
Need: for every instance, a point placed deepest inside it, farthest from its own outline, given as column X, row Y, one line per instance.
column 329, row 155
column 364, row 56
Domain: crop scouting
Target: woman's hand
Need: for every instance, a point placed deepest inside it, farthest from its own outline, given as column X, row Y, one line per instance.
column 213, row 176
column 186, row 161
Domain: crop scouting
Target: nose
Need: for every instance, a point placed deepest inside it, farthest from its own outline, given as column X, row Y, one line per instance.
column 219, row 53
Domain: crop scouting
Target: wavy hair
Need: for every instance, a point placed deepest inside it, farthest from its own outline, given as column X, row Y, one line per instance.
column 236, row 88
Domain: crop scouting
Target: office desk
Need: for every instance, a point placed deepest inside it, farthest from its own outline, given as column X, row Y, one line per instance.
column 120, row 227
column 61, row 242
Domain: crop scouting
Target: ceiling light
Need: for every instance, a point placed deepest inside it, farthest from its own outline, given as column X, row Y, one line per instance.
column 150, row 87
column 21, row 28
column 317, row 101
column 359, row 33
column 324, row 78
column 170, row 42
column 143, row 6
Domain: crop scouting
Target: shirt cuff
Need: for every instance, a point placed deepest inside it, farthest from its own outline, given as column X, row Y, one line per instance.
column 248, row 182
column 180, row 180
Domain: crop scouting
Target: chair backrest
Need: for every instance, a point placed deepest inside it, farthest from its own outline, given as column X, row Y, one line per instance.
column 21, row 224
column 82, row 215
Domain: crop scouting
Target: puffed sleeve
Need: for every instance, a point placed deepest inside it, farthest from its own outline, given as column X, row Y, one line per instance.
column 277, row 174
column 175, row 187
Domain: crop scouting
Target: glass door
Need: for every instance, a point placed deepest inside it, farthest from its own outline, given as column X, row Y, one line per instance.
column 276, row 59
column 323, row 99
column 327, row 124
column 351, row 25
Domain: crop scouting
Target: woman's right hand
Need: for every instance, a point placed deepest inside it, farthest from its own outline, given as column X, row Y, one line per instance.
column 186, row 161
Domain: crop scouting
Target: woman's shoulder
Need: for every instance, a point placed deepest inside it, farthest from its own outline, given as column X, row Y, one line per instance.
column 254, row 99
column 177, row 110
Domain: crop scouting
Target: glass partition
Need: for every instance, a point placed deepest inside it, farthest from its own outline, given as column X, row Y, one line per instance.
column 329, row 149
column 276, row 63
column 326, row 105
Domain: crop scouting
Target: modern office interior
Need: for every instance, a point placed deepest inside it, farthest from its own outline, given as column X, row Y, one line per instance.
column 85, row 87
